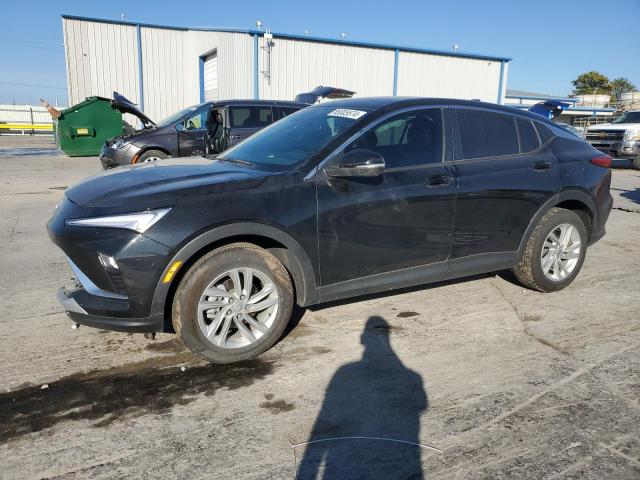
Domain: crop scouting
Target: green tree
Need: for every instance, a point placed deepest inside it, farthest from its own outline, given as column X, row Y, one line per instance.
column 621, row 85
column 591, row 82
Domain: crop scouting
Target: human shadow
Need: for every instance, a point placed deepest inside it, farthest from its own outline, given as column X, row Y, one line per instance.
column 369, row 424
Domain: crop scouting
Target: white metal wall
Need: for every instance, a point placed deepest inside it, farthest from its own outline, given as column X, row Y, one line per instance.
column 451, row 77
column 210, row 79
column 101, row 58
column 298, row 66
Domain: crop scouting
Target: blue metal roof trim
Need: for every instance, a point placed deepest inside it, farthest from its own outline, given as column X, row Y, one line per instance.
column 290, row 36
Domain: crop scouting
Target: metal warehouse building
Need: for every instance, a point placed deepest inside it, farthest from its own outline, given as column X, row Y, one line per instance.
column 164, row 69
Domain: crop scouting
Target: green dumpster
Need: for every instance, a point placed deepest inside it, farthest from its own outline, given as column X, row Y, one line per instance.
column 81, row 130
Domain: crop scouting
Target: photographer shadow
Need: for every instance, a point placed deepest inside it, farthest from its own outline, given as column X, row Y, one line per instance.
column 369, row 424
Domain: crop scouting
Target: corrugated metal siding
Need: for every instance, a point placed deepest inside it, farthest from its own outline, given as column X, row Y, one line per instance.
column 101, row 58
column 163, row 65
column 25, row 114
column 235, row 66
column 453, row 77
column 299, row 66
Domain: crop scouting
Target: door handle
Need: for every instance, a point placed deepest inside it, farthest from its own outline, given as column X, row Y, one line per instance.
column 233, row 137
column 438, row 180
column 542, row 166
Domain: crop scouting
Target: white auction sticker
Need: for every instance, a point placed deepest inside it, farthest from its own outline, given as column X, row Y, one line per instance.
column 346, row 113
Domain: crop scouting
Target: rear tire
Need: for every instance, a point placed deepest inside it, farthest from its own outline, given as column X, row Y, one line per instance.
column 152, row 156
column 636, row 163
column 554, row 252
column 218, row 306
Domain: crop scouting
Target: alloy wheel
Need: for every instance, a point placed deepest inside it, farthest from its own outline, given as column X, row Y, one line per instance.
column 238, row 307
column 560, row 252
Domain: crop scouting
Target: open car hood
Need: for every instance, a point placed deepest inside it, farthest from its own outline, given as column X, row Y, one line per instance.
column 321, row 92
column 125, row 105
column 550, row 108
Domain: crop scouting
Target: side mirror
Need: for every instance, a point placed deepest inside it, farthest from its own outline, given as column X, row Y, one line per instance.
column 179, row 127
column 358, row 163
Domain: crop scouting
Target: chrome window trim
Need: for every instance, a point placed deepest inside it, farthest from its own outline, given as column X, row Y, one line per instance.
column 309, row 176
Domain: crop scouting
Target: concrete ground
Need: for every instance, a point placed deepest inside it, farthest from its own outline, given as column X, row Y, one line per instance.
column 490, row 379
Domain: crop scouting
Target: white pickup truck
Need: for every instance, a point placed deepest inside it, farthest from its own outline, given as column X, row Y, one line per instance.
column 618, row 139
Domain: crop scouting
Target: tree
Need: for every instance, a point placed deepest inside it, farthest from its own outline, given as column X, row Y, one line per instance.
column 621, row 85
column 591, row 82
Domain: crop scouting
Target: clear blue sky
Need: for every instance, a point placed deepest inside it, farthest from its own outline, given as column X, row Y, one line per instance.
column 550, row 41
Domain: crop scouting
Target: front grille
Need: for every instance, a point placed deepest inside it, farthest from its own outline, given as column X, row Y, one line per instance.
column 605, row 135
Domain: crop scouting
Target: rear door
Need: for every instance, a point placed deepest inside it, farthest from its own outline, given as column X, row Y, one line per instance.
column 245, row 120
column 505, row 174
column 192, row 137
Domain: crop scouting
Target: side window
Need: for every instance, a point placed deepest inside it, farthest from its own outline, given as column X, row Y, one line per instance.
column 411, row 138
column 197, row 120
column 250, row 117
column 528, row 136
column 284, row 111
column 486, row 134
column 545, row 132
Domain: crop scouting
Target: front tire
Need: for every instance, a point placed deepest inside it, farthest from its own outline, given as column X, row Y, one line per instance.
column 233, row 304
column 554, row 252
column 636, row 163
column 152, row 156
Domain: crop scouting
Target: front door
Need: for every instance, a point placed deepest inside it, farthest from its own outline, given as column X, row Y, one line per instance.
column 402, row 219
column 193, row 135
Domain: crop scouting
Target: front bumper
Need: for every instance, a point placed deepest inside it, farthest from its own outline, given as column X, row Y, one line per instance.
column 75, row 301
column 112, row 157
column 619, row 149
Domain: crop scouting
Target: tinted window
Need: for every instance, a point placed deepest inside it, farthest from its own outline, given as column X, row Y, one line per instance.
column 295, row 138
column 412, row 138
column 486, row 134
column 545, row 132
column 250, row 117
column 528, row 136
column 284, row 111
column 197, row 120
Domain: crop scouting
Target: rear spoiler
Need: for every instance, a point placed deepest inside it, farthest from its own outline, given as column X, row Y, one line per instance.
column 321, row 92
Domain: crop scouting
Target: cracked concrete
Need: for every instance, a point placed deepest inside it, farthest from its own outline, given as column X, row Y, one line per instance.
column 506, row 382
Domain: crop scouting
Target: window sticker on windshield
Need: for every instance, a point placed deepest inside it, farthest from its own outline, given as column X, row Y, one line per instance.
column 346, row 113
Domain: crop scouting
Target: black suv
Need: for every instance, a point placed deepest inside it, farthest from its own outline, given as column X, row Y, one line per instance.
column 337, row 200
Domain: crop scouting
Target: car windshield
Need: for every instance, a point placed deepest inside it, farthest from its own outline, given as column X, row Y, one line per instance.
column 177, row 116
column 292, row 140
column 628, row 117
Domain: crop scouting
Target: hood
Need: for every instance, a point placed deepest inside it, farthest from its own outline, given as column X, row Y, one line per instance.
column 321, row 92
column 124, row 105
column 614, row 126
column 550, row 108
column 162, row 183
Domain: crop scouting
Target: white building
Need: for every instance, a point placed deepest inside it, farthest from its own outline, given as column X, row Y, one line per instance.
column 164, row 69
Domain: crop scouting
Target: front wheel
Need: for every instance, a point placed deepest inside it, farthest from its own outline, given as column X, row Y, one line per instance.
column 233, row 304
column 152, row 156
column 636, row 163
column 554, row 252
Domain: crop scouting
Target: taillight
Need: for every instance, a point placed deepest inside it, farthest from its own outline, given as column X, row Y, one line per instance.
column 602, row 161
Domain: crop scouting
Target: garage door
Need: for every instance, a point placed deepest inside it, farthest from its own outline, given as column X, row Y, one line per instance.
column 211, row 77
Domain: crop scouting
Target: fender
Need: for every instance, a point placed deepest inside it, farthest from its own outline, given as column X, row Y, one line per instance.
column 559, row 197
column 295, row 259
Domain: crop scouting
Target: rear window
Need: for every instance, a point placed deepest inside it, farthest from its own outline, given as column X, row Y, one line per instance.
column 528, row 137
column 545, row 132
column 250, row 117
column 284, row 111
column 486, row 134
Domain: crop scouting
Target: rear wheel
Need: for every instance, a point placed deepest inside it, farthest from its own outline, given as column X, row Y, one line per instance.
column 554, row 252
column 233, row 304
column 152, row 156
column 636, row 163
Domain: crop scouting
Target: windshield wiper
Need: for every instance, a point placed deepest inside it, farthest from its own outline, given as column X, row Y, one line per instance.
column 236, row 161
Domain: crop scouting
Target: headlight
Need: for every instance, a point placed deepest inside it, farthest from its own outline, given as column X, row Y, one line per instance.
column 120, row 143
column 632, row 136
column 139, row 222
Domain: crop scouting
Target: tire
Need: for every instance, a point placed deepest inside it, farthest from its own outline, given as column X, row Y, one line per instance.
column 529, row 269
column 636, row 163
column 204, row 333
column 152, row 156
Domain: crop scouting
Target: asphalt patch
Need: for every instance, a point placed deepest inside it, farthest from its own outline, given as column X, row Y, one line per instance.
column 153, row 386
